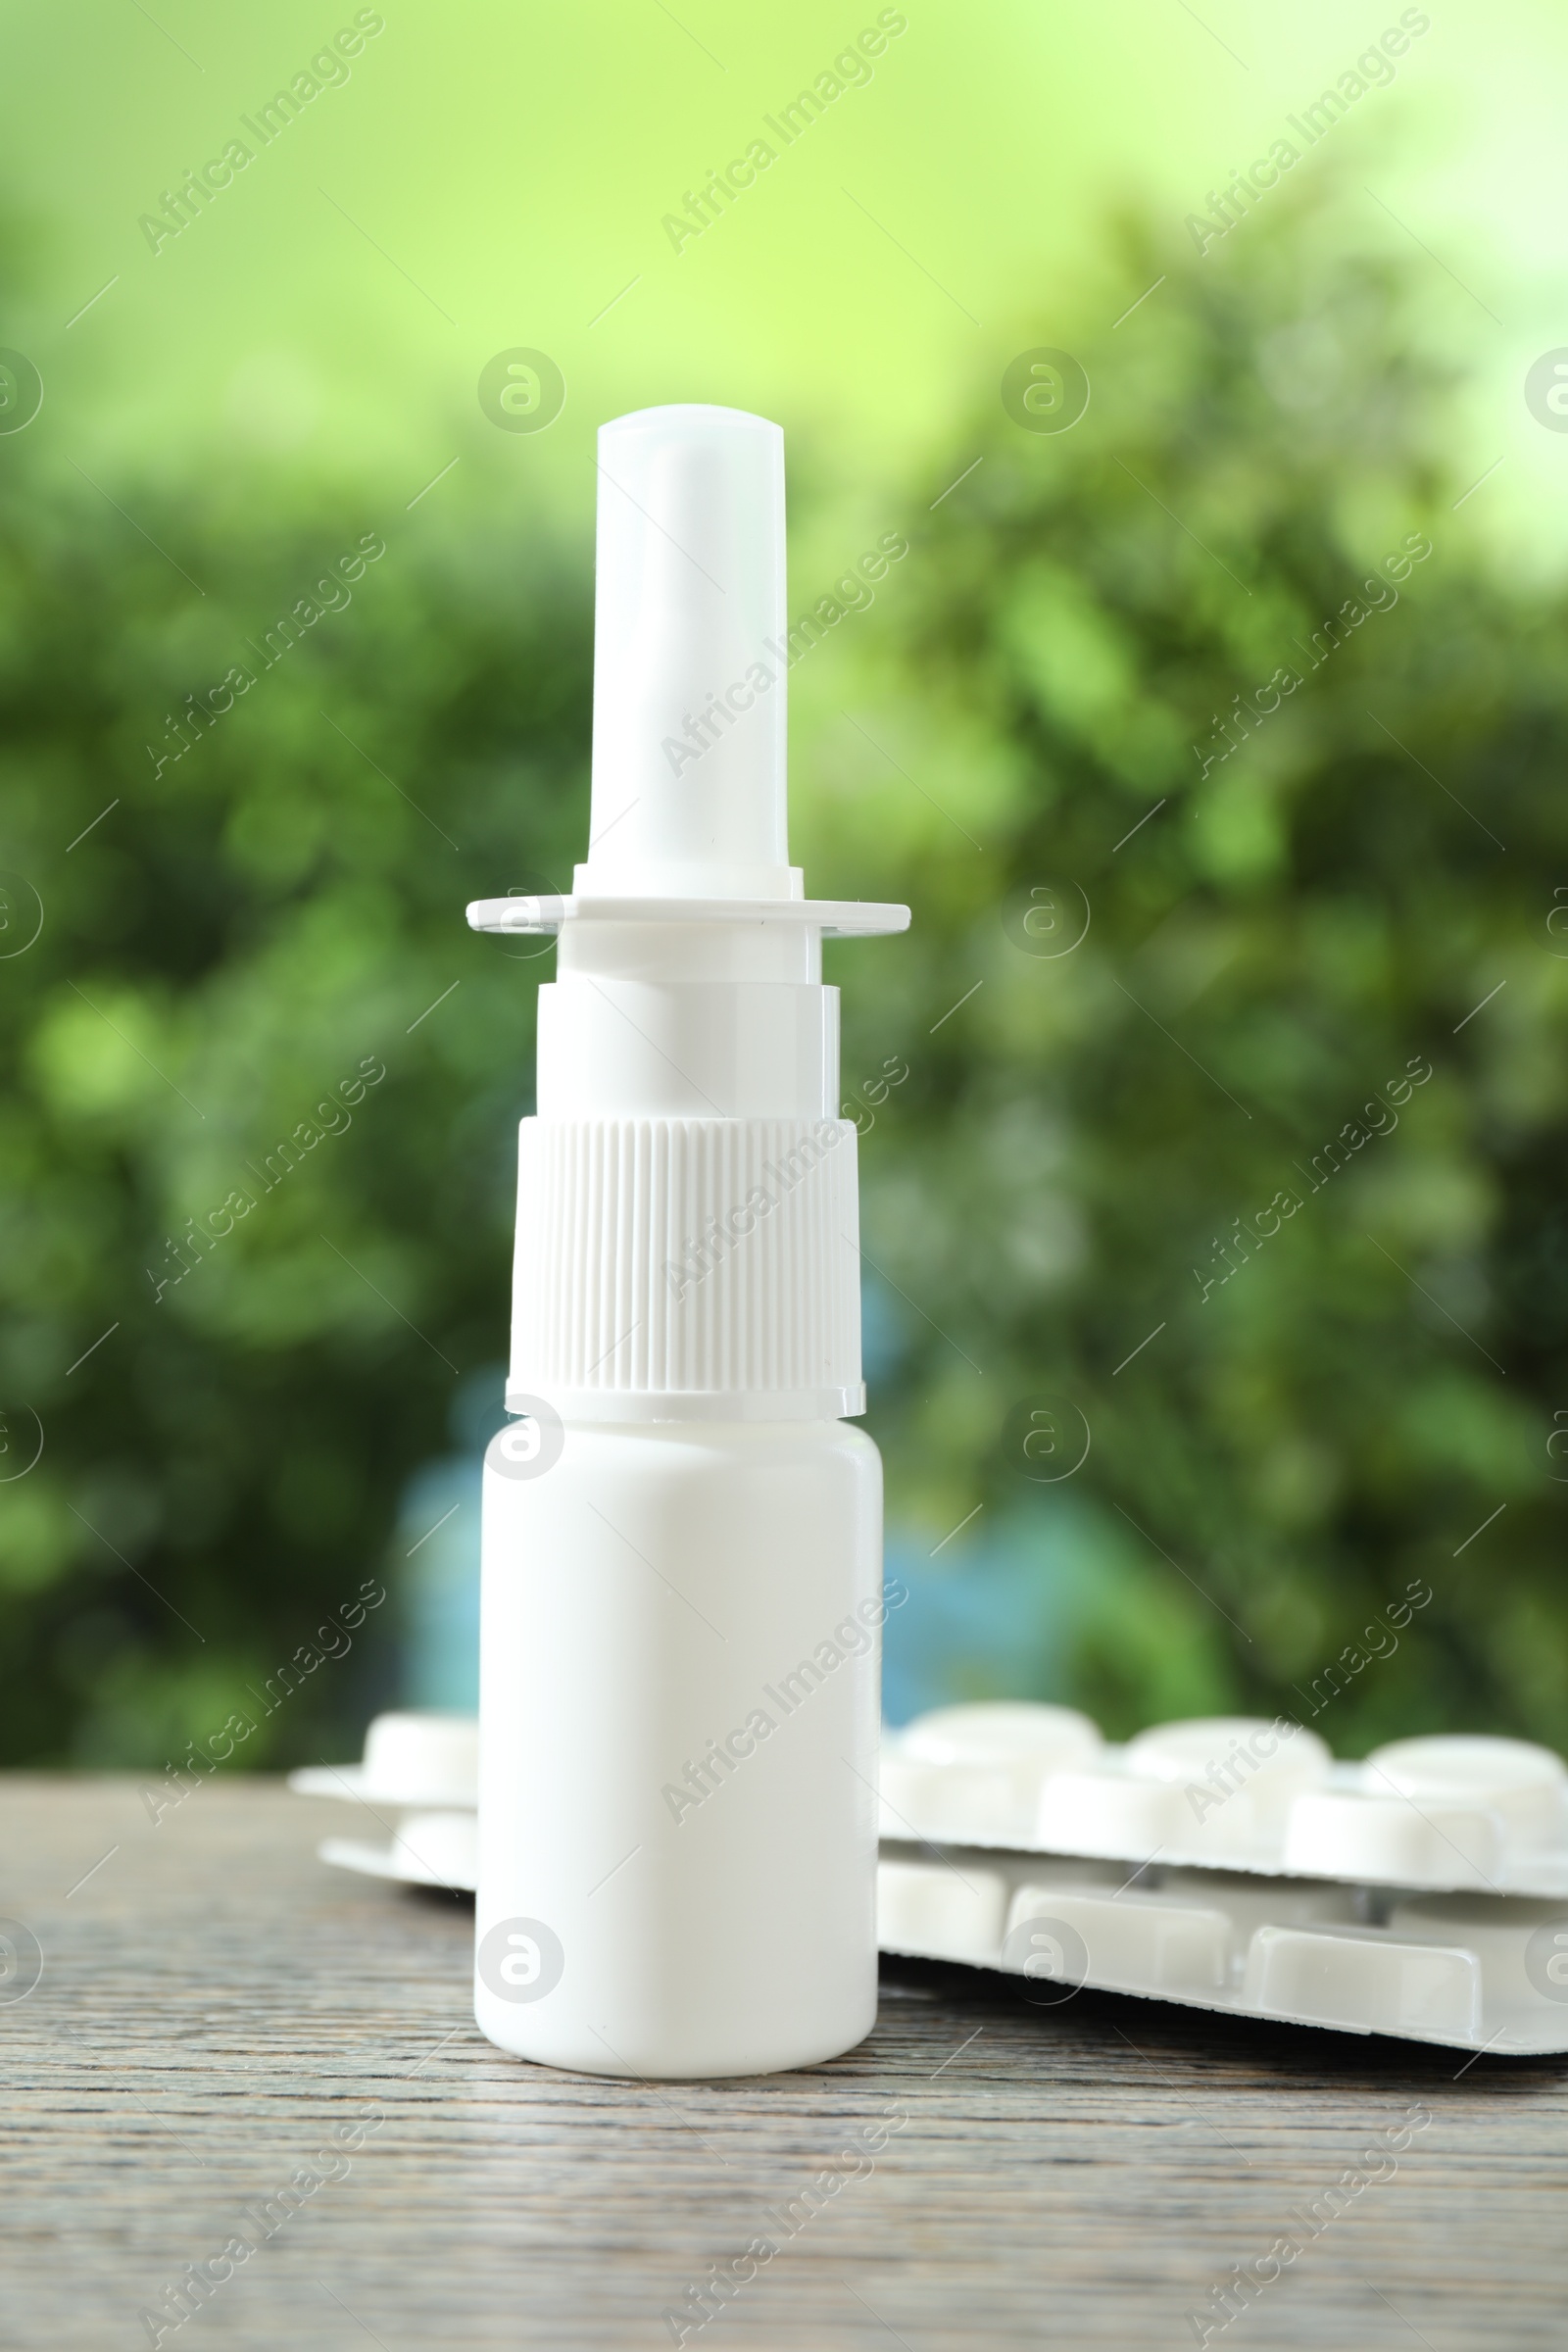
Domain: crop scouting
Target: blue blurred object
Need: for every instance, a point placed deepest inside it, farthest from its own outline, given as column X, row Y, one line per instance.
column 1056, row 1601
column 435, row 1559
column 884, row 1338
column 996, row 1617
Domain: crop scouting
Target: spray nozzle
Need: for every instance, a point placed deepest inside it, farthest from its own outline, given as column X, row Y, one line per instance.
column 689, row 661
column 689, row 821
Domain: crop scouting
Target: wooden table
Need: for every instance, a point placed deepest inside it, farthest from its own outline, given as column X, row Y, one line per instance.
column 215, row 2003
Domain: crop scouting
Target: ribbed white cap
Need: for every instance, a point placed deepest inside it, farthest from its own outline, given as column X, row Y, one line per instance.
column 674, row 1269
column 689, row 690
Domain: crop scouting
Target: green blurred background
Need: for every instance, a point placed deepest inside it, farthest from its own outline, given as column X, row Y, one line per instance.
column 1154, row 1445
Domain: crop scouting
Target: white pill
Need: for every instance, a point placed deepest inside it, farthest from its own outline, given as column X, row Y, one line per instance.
column 1233, row 1749
column 1002, row 1732
column 411, row 1758
column 1528, row 1785
column 948, row 1914
column 1364, row 1983
column 1109, row 1813
column 1342, row 1833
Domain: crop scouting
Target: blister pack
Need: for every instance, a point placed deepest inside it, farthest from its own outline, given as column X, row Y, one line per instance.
column 1476, row 1972
column 1450, row 1814
column 424, row 1769
column 1345, row 1947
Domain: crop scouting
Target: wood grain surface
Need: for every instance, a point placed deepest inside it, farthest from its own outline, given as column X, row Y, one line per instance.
column 215, row 2003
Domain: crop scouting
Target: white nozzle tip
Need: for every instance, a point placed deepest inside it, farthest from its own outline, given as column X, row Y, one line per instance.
column 689, row 658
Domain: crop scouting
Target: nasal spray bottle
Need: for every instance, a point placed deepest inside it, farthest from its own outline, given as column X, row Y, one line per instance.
column 682, row 1582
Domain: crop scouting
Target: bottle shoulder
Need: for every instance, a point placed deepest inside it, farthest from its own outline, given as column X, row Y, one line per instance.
column 718, row 1441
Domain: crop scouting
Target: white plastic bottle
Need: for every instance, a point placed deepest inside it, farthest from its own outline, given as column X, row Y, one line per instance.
column 682, row 1534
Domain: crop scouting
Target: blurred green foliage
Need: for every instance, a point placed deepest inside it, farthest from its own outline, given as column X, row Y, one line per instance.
column 1269, row 943
column 1328, row 1412
column 251, row 924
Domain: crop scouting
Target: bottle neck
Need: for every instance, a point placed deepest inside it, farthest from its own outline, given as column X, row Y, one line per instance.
column 691, row 1021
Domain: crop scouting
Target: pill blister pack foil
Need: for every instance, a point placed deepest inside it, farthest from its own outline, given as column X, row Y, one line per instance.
column 1447, row 1814
column 418, row 1781
column 1475, row 1968
column 1476, row 1972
